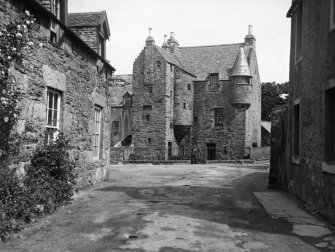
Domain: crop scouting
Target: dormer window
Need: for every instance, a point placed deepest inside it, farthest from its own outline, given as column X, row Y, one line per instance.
column 214, row 80
column 101, row 46
column 54, row 8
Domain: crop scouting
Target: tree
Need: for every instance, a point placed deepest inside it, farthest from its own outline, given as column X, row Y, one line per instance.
column 274, row 97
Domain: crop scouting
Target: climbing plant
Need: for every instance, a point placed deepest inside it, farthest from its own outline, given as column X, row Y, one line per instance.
column 14, row 37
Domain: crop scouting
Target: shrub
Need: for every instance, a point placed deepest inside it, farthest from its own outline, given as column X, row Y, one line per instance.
column 49, row 183
column 51, row 177
column 15, row 203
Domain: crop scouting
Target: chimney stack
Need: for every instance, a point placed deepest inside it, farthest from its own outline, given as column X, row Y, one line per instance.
column 250, row 38
column 172, row 42
column 165, row 45
column 150, row 40
column 250, row 30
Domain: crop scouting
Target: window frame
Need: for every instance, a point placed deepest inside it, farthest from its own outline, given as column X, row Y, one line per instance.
column 116, row 127
column 54, row 129
column 214, row 84
column 102, row 50
column 296, row 138
column 218, row 117
column 97, row 123
column 55, row 8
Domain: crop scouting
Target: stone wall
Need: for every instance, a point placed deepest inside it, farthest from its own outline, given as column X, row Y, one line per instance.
column 73, row 74
column 309, row 175
column 146, row 74
column 229, row 138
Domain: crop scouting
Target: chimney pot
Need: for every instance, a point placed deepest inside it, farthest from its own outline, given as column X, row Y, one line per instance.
column 172, row 35
column 250, row 30
column 150, row 31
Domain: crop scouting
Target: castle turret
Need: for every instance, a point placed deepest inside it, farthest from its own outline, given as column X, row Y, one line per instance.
column 172, row 42
column 250, row 39
column 150, row 40
column 241, row 79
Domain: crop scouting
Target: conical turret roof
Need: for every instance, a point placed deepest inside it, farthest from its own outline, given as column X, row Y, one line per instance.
column 241, row 66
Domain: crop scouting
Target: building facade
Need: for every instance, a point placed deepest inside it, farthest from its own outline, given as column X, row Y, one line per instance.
column 65, row 86
column 308, row 169
column 207, row 96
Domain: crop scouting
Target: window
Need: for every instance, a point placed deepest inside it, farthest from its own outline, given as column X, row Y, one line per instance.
column 298, row 32
column 171, row 68
column 218, row 117
column 189, row 87
column 147, row 107
column 116, row 127
column 53, row 114
column 53, row 37
column 158, row 64
column 195, row 119
column 296, row 130
column 147, row 118
column 96, row 131
column 149, row 141
column 330, row 125
column 184, row 105
column 332, row 14
column 242, row 79
column 54, row 8
column 211, row 151
column 171, row 125
column 101, row 47
column 214, row 80
column 150, row 89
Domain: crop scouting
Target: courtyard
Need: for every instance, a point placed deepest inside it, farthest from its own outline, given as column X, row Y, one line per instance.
column 179, row 207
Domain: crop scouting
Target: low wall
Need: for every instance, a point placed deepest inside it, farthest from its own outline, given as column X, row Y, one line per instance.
column 259, row 153
column 119, row 154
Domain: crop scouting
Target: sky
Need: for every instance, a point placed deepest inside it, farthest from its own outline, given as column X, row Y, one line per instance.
column 196, row 23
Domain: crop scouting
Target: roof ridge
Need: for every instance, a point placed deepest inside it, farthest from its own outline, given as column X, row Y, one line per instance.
column 212, row 45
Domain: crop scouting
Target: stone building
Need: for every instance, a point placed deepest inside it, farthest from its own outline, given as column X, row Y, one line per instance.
column 65, row 82
column 204, row 95
column 308, row 167
column 121, row 110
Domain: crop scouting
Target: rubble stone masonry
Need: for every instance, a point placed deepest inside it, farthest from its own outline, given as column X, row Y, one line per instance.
column 73, row 74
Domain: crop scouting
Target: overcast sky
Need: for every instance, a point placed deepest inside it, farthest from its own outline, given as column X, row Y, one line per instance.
column 196, row 23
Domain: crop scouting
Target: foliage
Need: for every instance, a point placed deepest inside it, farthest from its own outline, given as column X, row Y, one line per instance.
column 13, row 38
column 49, row 183
column 51, row 175
column 274, row 97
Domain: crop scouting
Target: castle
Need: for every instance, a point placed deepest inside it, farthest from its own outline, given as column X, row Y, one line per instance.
column 209, row 96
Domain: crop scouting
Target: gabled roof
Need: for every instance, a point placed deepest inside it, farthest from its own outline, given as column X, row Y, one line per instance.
column 38, row 9
column 173, row 59
column 203, row 60
column 89, row 19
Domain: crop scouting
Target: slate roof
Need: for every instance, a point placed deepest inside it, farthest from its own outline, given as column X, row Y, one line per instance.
column 241, row 65
column 203, row 60
column 173, row 59
column 85, row 19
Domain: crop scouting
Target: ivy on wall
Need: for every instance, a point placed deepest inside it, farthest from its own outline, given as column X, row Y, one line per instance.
column 14, row 37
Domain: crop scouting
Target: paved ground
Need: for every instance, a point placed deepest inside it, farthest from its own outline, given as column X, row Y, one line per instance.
column 170, row 208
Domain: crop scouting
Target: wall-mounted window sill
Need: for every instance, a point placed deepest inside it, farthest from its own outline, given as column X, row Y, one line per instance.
column 295, row 160
column 328, row 167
